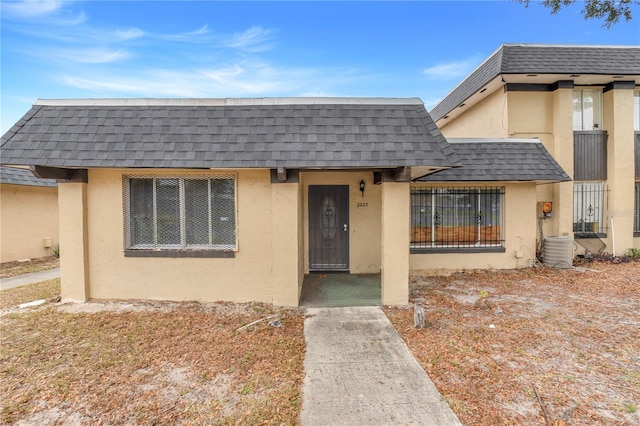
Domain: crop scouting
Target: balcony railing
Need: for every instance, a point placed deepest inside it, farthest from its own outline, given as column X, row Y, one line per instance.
column 590, row 200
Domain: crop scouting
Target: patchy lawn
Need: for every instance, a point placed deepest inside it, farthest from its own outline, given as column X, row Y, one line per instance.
column 10, row 269
column 571, row 337
column 150, row 363
column 13, row 297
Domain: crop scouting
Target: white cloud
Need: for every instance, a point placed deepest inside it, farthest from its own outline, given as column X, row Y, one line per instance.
column 44, row 12
column 254, row 39
column 89, row 55
column 130, row 86
column 201, row 34
column 32, row 8
column 453, row 69
column 128, row 34
column 244, row 79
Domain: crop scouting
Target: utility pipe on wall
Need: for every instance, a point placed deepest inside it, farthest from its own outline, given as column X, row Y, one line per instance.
column 613, row 237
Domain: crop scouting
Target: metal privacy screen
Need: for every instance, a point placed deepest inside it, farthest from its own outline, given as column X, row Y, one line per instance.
column 180, row 212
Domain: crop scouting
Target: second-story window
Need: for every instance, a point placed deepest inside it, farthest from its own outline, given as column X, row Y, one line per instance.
column 636, row 110
column 587, row 109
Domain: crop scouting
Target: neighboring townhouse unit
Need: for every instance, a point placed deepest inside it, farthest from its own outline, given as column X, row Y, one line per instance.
column 583, row 104
column 238, row 199
column 28, row 215
column 481, row 215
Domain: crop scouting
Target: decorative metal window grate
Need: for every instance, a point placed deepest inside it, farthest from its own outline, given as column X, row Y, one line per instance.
column 174, row 212
column 456, row 217
column 589, row 206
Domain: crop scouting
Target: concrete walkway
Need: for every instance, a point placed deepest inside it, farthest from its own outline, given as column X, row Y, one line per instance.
column 360, row 372
column 24, row 279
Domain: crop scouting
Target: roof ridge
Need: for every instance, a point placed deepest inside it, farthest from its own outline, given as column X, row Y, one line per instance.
column 494, row 140
column 586, row 46
column 267, row 101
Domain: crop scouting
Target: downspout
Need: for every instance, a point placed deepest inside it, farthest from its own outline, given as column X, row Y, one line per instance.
column 613, row 237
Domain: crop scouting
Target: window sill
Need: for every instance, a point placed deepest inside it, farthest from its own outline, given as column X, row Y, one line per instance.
column 636, row 233
column 578, row 235
column 179, row 253
column 436, row 250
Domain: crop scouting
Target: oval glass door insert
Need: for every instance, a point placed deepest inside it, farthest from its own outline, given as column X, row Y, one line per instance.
column 328, row 217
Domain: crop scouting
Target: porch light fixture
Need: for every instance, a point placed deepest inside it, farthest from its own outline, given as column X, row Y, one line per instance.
column 362, row 185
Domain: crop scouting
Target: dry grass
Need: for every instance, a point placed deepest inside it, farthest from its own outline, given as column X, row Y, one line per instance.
column 149, row 363
column 13, row 297
column 573, row 335
column 11, row 269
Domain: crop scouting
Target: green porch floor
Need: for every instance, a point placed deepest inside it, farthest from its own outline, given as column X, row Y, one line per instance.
column 339, row 290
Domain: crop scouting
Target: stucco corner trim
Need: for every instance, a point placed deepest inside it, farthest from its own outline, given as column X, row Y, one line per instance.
column 180, row 253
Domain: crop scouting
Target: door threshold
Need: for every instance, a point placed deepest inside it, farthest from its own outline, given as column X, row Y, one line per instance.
column 329, row 271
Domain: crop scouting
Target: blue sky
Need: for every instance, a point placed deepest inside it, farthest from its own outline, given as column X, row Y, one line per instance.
column 83, row 49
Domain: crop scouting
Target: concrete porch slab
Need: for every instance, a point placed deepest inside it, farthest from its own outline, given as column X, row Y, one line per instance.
column 340, row 290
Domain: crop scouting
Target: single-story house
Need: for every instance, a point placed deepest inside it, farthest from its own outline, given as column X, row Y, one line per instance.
column 28, row 215
column 238, row 199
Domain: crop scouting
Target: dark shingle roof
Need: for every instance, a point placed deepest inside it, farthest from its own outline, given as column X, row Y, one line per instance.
column 543, row 59
column 340, row 133
column 13, row 176
column 490, row 160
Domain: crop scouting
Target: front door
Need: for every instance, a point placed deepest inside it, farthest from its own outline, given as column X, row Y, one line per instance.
column 328, row 227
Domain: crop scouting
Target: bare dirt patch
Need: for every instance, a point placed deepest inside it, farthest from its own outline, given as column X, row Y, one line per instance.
column 11, row 269
column 571, row 336
column 150, row 363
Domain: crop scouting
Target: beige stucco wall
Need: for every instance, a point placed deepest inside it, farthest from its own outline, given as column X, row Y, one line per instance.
column 247, row 277
column 487, row 118
column 548, row 116
column 530, row 114
column 364, row 217
column 269, row 264
column 28, row 217
column 618, row 122
column 395, row 242
column 286, row 202
column 74, row 241
column 562, row 152
column 272, row 254
column 520, row 225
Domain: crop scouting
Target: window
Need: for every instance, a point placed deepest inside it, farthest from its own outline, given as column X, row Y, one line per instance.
column 636, row 110
column 587, row 109
column 456, row 218
column 180, row 213
column 589, row 205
